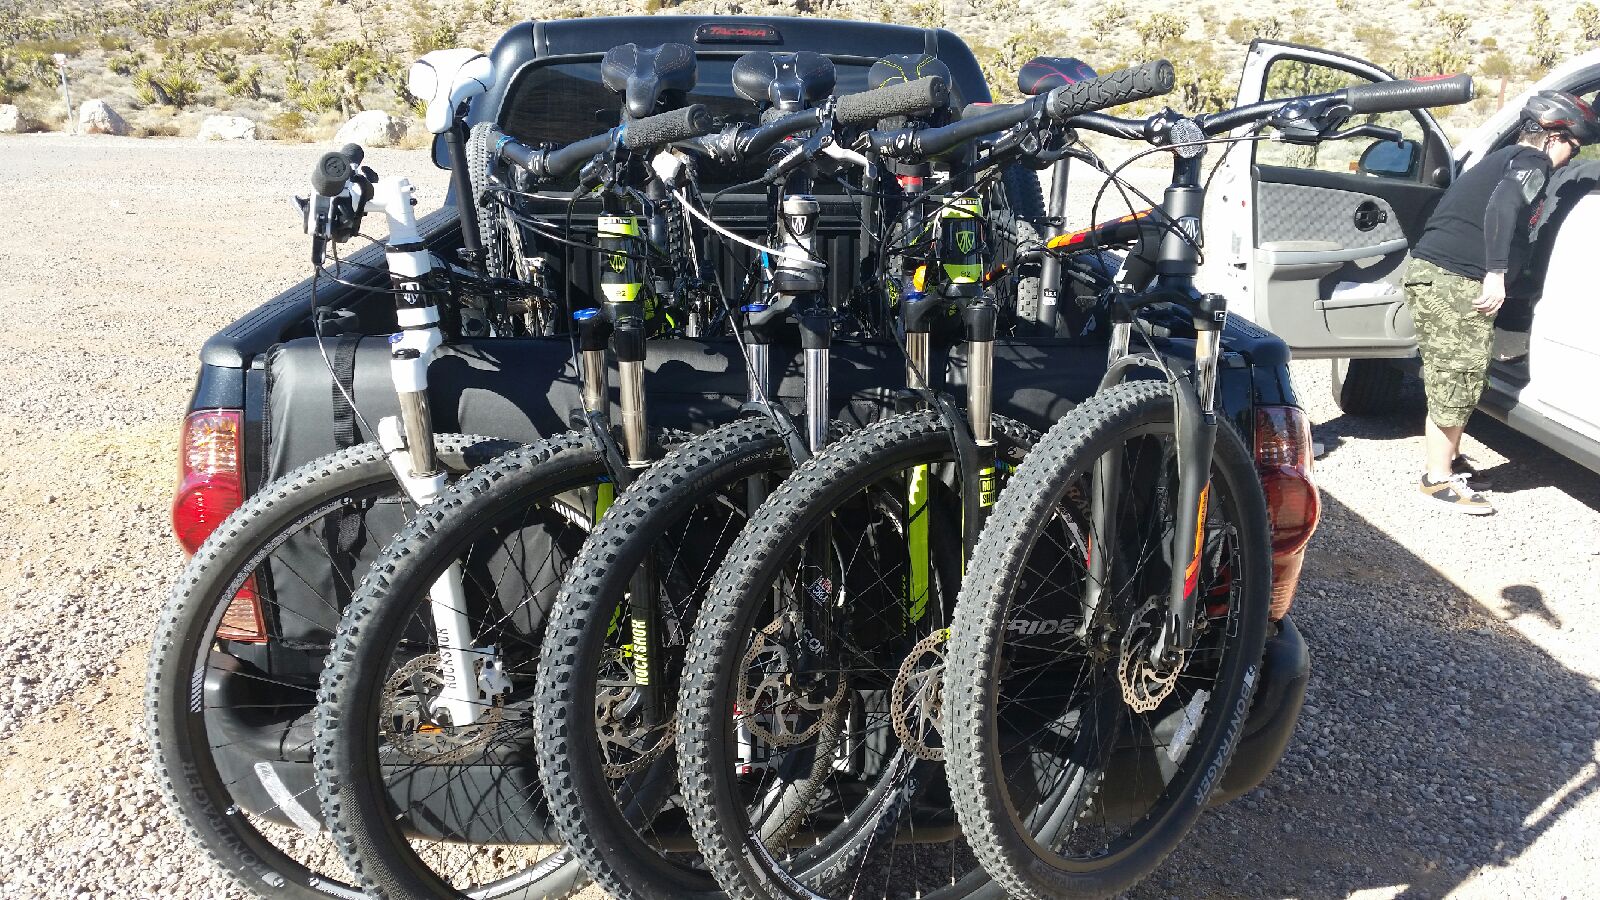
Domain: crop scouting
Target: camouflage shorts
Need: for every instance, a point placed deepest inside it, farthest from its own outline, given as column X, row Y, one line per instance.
column 1454, row 339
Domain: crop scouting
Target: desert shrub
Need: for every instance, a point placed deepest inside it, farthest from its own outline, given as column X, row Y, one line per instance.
column 1244, row 30
column 112, row 43
column 15, row 77
column 288, row 125
column 1114, row 17
column 315, row 95
column 247, row 84
column 1288, row 78
column 164, row 129
column 174, row 84
column 224, row 67
column 1436, row 59
column 1454, row 25
column 1587, row 20
column 1543, row 48
column 125, row 64
column 1497, row 65
column 1161, row 29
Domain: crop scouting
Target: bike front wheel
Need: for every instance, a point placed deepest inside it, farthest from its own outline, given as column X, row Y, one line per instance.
column 233, row 668
column 423, row 803
column 808, row 735
column 1086, row 758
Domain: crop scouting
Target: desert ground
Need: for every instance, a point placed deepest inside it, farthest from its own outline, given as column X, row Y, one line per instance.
column 1448, row 746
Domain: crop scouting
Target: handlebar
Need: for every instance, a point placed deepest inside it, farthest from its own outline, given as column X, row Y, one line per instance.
column 641, row 134
column 1385, row 96
column 1153, row 79
column 737, row 143
column 1139, row 83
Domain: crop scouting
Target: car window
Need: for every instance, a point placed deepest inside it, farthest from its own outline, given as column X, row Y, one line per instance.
column 565, row 101
column 1591, row 152
column 1368, row 156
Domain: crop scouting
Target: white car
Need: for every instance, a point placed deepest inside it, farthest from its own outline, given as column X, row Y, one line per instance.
column 1312, row 245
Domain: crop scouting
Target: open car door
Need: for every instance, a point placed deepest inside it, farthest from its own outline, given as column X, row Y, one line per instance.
column 1312, row 242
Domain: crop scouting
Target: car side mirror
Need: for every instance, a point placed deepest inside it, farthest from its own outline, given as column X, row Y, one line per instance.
column 441, row 153
column 1391, row 159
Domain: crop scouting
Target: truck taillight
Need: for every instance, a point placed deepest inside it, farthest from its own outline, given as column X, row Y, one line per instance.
column 210, row 477
column 1283, row 460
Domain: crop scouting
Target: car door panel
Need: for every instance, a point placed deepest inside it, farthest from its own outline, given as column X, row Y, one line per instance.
column 1320, row 255
column 1563, row 349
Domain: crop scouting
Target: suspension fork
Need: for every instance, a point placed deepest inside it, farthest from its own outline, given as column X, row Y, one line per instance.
column 916, row 314
column 1105, row 486
column 1196, row 428
column 622, row 283
column 804, row 287
column 964, row 260
column 408, row 442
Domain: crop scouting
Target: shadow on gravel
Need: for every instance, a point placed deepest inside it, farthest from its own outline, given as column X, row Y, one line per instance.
column 1530, row 464
column 1432, row 742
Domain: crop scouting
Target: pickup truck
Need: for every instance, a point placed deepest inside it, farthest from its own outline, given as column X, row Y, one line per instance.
column 1313, row 246
column 265, row 378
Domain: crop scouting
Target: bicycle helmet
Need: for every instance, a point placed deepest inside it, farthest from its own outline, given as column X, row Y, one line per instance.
column 1560, row 111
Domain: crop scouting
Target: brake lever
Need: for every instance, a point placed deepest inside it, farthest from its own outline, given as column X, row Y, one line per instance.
column 797, row 157
column 1368, row 130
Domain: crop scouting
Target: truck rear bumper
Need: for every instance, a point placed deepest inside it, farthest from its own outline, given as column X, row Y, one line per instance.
column 1285, row 670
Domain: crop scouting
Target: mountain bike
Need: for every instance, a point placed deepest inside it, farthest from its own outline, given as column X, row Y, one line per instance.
column 1107, row 642
column 817, row 649
column 241, row 640
column 426, row 799
column 609, row 675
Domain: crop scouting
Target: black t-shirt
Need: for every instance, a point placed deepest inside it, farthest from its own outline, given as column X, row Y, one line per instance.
column 1481, row 223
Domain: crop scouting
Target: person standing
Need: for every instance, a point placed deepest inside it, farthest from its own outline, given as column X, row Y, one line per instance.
column 1477, row 239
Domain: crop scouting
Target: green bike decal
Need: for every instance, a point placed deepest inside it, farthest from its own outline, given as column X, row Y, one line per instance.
column 917, row 544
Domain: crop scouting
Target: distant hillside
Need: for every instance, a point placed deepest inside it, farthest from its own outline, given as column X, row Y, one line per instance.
column 300, row 67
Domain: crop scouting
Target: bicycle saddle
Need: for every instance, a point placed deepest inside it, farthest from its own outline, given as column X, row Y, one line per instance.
column 899, row 67
column 788, row 81
column 649, row 77
column 1045, row 73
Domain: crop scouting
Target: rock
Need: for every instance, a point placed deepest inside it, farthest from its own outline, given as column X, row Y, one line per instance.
column 372, row 128
column 97, row 117
column 13, row 121
column 227, row 128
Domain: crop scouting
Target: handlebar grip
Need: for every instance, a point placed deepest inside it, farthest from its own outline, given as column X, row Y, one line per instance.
column 353, row 153
column 1152, row 79
column 908, row 98
column 1394, row 96
column 664, row 128
column 331, row 174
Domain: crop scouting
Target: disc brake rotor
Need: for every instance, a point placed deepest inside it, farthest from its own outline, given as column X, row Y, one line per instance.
column 777, row 696
column 408, row 727
column 622, row 735
column 916, row 702
column 1144, row 686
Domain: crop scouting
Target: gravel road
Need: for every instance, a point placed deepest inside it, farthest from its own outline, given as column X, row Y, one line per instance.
column 1448, row 746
